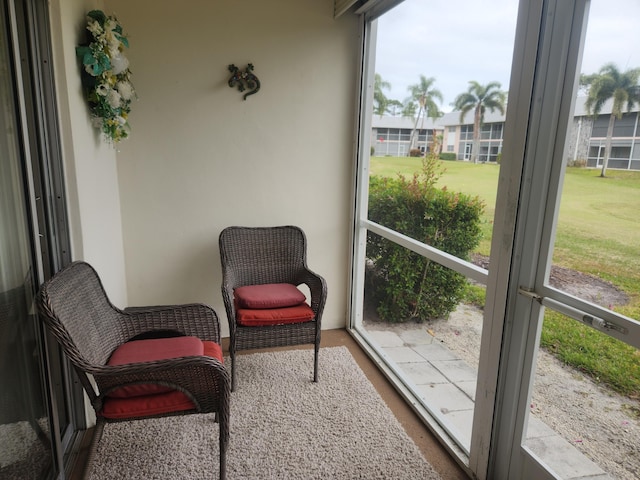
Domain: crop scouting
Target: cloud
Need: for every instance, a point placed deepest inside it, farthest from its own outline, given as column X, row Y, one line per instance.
column 456, row 41
column 612, row 35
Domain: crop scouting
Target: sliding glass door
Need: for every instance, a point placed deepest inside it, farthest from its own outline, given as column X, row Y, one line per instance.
column 24, row 418
column 37, row 392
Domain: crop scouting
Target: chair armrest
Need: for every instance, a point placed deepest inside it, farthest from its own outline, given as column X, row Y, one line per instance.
column 195, row 319
column 318, row 289
column 229, row 306
column 198, row 376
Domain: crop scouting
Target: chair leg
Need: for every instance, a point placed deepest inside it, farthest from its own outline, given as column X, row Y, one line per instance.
column 93, row 447
column 315, row 363
column 223, row 460
column 224, row 437
column 232, row 354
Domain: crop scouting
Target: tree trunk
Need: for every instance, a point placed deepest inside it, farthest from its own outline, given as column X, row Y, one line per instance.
column 475, row 150
column 607, row 146
column 413, row 138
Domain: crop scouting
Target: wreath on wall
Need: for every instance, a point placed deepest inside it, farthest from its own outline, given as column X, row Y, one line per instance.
column 106, row 77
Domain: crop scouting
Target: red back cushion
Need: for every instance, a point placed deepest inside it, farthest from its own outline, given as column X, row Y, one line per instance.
column 270, row 295
column 213, row 349
column 149, row 350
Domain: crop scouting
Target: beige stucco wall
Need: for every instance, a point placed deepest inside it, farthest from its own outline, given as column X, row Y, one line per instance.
column 90, row 164
column 200, row 158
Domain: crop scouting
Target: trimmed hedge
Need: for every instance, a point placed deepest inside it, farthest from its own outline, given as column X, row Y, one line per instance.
column 405, row 285
column 448, row 156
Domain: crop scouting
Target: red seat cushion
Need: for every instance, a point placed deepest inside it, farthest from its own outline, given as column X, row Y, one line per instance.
column 150, row 399
column 146, row 405
column 274, row 316
column 158, row 349
column 270, row 295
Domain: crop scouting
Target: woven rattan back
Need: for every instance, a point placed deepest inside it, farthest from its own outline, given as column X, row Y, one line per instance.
column 77, row 311
column 258, row 255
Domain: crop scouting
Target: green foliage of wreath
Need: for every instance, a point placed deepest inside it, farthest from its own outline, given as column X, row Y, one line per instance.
column 106, row 77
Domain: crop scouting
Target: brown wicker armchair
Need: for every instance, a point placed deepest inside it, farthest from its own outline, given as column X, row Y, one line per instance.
column 127, row 353
column 263, row 257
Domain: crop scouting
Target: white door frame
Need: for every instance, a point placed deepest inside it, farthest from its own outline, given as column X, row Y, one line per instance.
column 468, row 147
column 548, row 53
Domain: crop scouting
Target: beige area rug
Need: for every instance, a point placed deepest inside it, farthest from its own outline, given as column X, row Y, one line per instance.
column 283, row 426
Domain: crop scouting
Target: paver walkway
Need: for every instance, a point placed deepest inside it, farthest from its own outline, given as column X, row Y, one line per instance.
column 447, row 386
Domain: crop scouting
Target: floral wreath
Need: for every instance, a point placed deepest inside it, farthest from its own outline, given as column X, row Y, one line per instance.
column 106, row 75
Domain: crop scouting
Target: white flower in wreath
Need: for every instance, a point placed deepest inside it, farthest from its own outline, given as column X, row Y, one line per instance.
column 114, row 99
column 102, row 89
column 112, row 49
column 125, row 89
column 113, row 45
column 94, row 27
column 110, row 24
column 119, row 63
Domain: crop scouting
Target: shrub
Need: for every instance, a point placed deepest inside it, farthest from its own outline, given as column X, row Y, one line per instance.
column 448, row 156
column 578, row 163
column 475, row 295
column 406, row 285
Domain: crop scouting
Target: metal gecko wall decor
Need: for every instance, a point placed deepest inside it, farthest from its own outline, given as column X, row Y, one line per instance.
column 244, row 79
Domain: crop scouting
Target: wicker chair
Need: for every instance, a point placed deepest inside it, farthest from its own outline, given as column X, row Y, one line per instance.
column 91, row 331
column 260, row 256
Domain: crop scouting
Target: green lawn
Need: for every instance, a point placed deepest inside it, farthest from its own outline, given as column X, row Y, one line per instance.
column 474, row 179
column 598, row 233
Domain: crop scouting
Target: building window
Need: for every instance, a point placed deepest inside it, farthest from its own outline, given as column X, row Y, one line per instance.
column 625, row 126
column 600, row 125
column 466, row 132
column 620, row 152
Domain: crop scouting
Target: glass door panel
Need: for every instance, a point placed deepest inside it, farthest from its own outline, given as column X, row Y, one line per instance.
column 584, row 418
column 37, row 428
column 423, row 284
column 24, row 423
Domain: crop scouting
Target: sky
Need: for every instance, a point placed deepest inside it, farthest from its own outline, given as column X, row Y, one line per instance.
column 456, row 41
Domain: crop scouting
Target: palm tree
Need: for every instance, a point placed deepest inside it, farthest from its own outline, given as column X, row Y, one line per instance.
column 380, row 101
column 610, row 83
column 423, row 96
column 409, row 109
column 479, row 98
column 394, row 107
